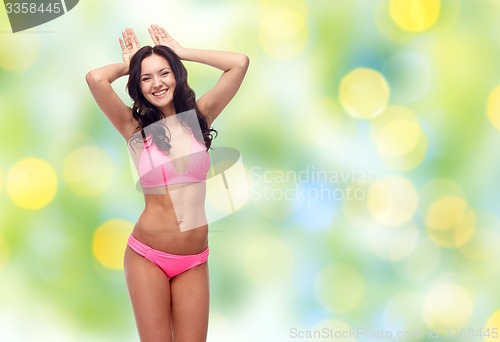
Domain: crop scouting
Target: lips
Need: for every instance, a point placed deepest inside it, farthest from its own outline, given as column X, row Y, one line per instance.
column 160, row 93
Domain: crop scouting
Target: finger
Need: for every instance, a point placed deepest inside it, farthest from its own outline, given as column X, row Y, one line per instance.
column 121, row 44
column 129, row 32
column 136, row 41
column 125, row 38
column 153, row 36
column 157, row 31
column 164, row 32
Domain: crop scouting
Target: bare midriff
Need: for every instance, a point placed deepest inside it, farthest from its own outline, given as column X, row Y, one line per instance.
column 174, row 219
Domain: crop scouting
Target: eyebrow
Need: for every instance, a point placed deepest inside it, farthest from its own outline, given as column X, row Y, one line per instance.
column 162, row 69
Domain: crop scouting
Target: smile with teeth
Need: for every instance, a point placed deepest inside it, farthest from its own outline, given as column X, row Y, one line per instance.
column 160, row 93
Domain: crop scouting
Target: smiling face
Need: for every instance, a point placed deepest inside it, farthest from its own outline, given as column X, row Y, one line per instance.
column 158, row 83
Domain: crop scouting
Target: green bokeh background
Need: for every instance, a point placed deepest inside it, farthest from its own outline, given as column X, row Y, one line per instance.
column 282, row 262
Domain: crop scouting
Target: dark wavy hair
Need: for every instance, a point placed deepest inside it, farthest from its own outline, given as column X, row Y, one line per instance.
column 184, row 99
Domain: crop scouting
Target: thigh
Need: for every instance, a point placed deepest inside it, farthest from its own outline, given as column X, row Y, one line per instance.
column 190, row 304
column 149, row 291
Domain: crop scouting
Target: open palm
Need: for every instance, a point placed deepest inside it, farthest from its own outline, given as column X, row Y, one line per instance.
column 129, row 44
column 161, row 37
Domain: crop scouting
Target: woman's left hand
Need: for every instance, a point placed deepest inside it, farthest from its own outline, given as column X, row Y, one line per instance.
column 161, row 37
column 129, row 44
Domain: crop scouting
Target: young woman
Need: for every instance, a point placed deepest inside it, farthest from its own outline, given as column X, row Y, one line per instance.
column 165, row 259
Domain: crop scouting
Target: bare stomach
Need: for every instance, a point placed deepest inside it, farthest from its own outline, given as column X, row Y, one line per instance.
column 174, row 221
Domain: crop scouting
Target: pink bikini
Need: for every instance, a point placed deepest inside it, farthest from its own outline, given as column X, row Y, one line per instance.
column 170, row 264
column 155, row 170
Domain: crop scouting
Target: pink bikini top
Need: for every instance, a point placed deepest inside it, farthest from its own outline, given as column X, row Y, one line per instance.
column 156, row 169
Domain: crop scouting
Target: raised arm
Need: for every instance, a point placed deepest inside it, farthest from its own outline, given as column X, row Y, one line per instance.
column 234, row 66
column 99, row 82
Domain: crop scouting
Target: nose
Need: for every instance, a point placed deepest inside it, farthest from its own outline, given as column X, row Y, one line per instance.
column 156, row 82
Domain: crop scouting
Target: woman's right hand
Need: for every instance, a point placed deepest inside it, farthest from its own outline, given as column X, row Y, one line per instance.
column 129, row 44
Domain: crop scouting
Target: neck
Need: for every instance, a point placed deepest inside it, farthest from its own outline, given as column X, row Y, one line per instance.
column 168, row 111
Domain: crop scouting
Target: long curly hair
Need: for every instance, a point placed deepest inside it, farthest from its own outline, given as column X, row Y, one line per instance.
column 184, row 99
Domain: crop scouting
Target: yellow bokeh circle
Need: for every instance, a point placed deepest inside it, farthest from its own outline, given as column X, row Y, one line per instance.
column 364, row 93
column 445, row 212
column 484, row 244
column 415, row 15
column 398, row 138
column 1, row 181
column 392, row 200
column 283, row 32
column 88, row 171
column 109, row 242
column 492, row 325
column 18, row 51
column 400, row 141
column 340, row 288
column 449, row 221
column 31, row 183
column 410, row 160
column 493, row 107
column 447, row 305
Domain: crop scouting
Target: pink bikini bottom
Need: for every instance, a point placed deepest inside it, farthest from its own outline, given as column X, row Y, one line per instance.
column 170, row 264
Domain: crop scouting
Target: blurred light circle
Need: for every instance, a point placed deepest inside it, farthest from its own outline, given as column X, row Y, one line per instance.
column 445, row 212
column 449, row 222
column 435, row 189
column 364, row 93
column 391, row 243
column 415, row 15
column 400, row 141
column 283, row 32
column 1, row 181
column 392, row 200
column 398, row 138
column 88, row 171
column 19, row 51
column 484, row 243
column 493, row 107
column 109, row 242
column 340, row 288
column 31, row 183
column 447, row 305
column 492, row 324
column 410, row 160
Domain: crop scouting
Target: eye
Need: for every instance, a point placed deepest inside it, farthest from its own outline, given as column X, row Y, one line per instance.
column 145, row 79
column 165, row 73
